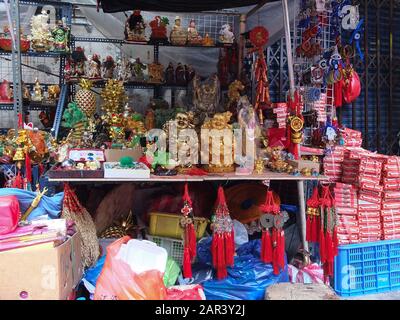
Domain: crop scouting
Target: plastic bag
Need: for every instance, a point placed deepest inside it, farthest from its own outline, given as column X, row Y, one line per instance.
column 50, row 206
column 9, row 214
column 247, row 279
column 309, row 274
column 190, row 292
column 118, row 282
column 93, row 273
column 241, row 235
column 172, row 272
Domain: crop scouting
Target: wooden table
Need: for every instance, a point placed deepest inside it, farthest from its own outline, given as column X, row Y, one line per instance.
column 222, row 177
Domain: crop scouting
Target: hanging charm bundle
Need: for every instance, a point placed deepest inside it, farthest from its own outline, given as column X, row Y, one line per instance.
column 223, row 243
column 328, row 240
column 189, row 234
column 74, row 211
column 262, row 90
column 273, row 245
column 313, row 217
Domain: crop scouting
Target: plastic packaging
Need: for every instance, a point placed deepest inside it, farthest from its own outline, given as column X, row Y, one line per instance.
column 190, row 292
column 172, row 272
column 50, row 206
column 241, row 235
column 247, row 279
column 143, row 255
column 117, row 281
column 9, row 214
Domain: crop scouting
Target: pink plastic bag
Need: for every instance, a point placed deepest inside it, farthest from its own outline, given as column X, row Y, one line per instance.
column 190, row 292
column 117, row 281
column 309, row 274
column 9, row 214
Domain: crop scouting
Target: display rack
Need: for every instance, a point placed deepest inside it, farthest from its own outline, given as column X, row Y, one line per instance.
column 21, row 65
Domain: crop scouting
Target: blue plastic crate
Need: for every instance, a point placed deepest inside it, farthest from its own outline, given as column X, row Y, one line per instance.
column 367, row 268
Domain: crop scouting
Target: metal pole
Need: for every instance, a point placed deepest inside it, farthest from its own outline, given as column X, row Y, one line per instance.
column 286, row 24
column 302, row 214
column 16, row 62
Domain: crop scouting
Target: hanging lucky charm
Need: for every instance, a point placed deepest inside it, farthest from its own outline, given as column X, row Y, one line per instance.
column 273, row 242
column 296, row 126
column 189, row 234
column 313, row 217
column 262, row 90
column 223, row 244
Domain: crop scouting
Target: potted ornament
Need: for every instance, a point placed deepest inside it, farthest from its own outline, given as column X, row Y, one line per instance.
column 6, row 41
column 41, row 37
column 178, row 35
column 135, row 28
column 94, row 67
column 85, row 98
column 159, row 30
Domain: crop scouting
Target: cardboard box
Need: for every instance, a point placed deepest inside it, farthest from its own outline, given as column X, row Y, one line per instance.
column 114, row 155
column 41, row 272
column 304, row 164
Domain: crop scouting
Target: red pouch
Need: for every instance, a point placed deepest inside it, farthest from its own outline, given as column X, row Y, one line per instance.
column 351, row 88
column 9, row 214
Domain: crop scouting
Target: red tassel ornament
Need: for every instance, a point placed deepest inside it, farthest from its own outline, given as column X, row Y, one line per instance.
column 313, row 214
column 223, row 242
column 272, row 248
column 328, row 234
column 189, row 234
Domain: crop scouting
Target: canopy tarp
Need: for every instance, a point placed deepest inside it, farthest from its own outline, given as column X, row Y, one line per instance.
column 174, row 5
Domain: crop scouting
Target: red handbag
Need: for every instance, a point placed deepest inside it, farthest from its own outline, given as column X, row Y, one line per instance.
column 352, row 86
column 9, row 214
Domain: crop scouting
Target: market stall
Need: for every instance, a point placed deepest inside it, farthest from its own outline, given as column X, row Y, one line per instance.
column 161, row 167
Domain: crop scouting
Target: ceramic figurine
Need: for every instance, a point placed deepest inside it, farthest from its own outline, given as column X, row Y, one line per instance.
column 94, row 70
column 41, row 37
column 193, row 35
column 149, row 120
column 77, row 63
column 37, row 92
column 190, row 73
column 137, row 70
column 26, row 94
column 180, row 76
column 156, row 73
column 170, row 74
column 6, row 40
column 178, row 35
column 206, row 97
column 135, row 28
column 259, row 166
column 108, row 67
column 220, row 121
column 208, row 41
column 159, row 30
column 61, row 35
column 6, row 93
column 226, row 36
column 53, row 92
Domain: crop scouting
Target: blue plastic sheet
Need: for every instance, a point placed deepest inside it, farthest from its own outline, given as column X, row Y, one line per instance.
column 93, row 273
column 247, row 279
column 50, row 206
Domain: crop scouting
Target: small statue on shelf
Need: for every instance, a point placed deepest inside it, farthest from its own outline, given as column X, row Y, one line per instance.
column 135, row 28
column 137, row 68
column 156, row 72
column 206, row 97
column 234, row 94
column 150, row 120
column 193, row 35
column 159, row 30
column 108, row 67
column 53, row 92
column 41, row 37
column 170, row 74
column 61, row 34
column 6, row 93
column 26, row 93
column 180, row 76
column 226, row 36
column 77, row 63
column 208, row 41
column 190, row 73
column 94, row 67
column 178, row 35
column 37, row 92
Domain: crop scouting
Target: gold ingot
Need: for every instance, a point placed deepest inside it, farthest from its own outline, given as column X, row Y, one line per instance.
column 19, row 154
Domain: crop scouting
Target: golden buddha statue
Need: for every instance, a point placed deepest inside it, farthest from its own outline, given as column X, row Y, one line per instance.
column 37, row 92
